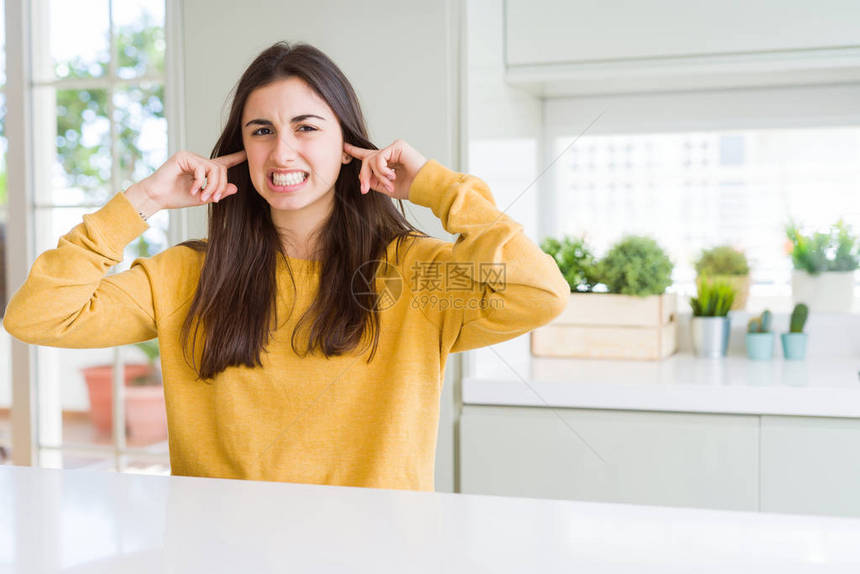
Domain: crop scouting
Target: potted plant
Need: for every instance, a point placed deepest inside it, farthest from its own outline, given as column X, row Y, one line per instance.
column 794, row 342
column 636, row 266
column 633, row 319
column 710, row 324
column 725, row 263
column 144, row 397
column 824, row 265
column 575, row 260
column 759, row 338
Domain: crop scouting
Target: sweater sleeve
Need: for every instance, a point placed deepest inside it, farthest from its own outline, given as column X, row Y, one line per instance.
column 68, row 301
column 493, row 283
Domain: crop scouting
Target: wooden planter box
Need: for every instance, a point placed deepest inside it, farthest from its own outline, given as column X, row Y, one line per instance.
column 609, row 326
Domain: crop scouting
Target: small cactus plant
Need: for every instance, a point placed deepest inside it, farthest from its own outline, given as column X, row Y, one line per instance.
column 760, row 324
column 798, row 318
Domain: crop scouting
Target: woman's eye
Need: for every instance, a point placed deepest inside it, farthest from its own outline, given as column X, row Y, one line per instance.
column 309, row 129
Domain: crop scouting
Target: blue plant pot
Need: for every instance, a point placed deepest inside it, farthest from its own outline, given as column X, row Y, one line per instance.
column 794, row 346
column 760, row 346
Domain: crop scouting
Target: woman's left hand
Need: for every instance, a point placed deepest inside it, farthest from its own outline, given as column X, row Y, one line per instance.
column 390, row 170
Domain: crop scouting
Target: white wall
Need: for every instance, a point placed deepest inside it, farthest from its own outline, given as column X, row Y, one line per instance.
column 402, row 59
column 504, row 126
column 399, row 55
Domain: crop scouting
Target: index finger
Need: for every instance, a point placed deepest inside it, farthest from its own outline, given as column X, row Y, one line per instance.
column 231, row 159
column 356, row 152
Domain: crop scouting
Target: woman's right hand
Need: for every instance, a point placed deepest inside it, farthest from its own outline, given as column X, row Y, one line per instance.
column 177, row 183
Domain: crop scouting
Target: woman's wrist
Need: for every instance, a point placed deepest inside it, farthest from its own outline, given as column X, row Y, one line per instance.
column 140, row 200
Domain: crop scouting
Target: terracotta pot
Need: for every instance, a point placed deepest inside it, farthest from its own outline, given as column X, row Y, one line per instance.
column 144, row 404
column 145, row 415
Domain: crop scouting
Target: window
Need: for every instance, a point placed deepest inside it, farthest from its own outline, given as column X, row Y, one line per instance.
column 99, row 125
column 692, row 169
column 693, row 190
column 698, row 169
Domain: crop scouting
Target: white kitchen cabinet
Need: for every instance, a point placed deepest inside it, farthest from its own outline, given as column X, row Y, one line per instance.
column 777, row 436
column 551, row 31
column 810, row 465
column 672, row 459
column 556, row 49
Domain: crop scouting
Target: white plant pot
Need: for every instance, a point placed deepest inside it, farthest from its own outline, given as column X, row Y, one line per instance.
column 828, row 292
column 710, row 336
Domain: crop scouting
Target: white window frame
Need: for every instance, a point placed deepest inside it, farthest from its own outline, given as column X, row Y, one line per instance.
column 29, row 421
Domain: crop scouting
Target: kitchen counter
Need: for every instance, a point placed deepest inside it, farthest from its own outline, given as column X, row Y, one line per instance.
column 825, row 387
column 95, row 521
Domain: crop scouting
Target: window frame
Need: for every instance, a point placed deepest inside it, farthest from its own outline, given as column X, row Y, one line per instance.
column 30, row 422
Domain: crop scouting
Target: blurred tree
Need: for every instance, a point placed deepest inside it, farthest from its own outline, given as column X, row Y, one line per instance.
column 87, row 164
column 140, row 50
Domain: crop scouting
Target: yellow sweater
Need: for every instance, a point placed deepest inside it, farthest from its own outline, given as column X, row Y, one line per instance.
column 337, row 421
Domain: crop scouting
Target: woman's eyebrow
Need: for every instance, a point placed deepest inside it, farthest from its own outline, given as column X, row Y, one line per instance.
column 262, row 122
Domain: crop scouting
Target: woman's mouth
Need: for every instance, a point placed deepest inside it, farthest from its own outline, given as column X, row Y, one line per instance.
column 285, row 182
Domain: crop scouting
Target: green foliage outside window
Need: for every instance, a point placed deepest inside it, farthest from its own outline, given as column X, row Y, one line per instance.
column 88, row 167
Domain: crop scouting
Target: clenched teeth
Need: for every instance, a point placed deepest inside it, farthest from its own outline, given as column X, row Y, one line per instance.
column 292, row 178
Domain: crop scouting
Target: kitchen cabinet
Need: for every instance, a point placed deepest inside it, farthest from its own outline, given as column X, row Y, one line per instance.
column 557, row 49
column 810, row 465
column 671, row 459
column 787, row 464
column 552, row 32
column 775, row 436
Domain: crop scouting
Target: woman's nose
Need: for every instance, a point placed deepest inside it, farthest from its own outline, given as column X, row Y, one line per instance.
column 284, row 150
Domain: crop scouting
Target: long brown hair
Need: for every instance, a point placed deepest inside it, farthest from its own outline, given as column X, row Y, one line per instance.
column 236, row 299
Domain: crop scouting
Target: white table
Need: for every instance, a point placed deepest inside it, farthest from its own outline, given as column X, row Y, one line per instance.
column 95, row 521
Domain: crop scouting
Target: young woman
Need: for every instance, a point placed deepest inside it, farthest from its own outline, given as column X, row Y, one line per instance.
column 305, row 339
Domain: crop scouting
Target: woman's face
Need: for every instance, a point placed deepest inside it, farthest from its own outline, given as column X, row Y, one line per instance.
column 288, row 132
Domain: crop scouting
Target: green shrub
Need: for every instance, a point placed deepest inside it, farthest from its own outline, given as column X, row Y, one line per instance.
column 722, row 260
column 575, row 260
column 636, row 265
column 713, row 299
column 837, row 249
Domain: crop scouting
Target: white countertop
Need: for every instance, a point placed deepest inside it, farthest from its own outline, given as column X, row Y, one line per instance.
column 78, row 521
column 828, row 387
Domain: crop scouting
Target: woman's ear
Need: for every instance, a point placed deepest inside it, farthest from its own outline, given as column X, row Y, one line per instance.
column 347, row 158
